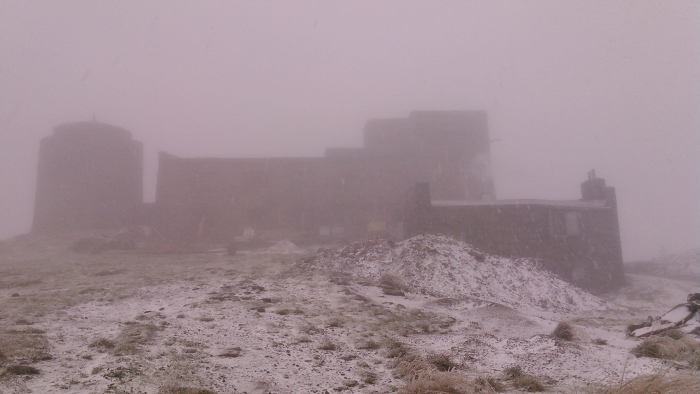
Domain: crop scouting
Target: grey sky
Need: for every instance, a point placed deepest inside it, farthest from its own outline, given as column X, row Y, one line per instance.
column 568, row 86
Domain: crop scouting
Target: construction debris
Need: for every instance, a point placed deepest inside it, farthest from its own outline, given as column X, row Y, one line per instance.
column 684, row 317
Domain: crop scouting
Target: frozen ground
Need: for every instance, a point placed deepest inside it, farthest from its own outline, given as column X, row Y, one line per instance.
column 141, row 322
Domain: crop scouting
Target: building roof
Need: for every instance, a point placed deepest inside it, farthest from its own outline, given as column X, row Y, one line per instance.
column 555, row 203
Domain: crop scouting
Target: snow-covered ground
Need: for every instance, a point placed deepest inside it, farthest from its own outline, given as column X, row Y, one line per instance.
column 281, row 323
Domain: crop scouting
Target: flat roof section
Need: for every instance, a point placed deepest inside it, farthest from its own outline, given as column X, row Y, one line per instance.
column 600, row 204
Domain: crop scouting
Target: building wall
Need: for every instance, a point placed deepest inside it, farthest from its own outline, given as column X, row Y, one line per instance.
column 90, row 176
column 578, row 240
column 450, row 149
column 216, row 199
column 354, row 190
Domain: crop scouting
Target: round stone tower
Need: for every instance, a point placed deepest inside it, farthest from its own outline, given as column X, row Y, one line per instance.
column 90, row 176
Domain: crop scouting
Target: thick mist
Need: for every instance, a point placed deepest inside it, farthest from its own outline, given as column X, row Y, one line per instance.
column 568, row 87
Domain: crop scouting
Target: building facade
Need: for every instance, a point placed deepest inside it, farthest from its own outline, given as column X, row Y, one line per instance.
column 578, row 240
column 90, row 176
column 426, row 173
column 347, row 193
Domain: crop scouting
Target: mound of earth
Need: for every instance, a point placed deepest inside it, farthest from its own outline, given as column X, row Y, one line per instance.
column 285, row 247
column 441, row 266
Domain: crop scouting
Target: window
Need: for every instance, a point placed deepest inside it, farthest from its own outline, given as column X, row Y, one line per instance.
column 571, row 221
column 564, row 223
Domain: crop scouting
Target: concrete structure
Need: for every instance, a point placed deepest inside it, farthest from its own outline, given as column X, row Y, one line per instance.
column 347, row 193
column 90, row 176
column 578, row 240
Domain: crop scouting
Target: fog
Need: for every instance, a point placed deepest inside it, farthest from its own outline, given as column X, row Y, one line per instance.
column 568, row 86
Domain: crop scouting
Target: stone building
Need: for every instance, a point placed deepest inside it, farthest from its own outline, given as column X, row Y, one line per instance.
column 579, row 240
column 426, row 173
column 349, row 192
column 90, row 176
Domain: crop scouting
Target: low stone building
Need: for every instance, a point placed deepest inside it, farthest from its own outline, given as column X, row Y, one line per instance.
column 578, row 240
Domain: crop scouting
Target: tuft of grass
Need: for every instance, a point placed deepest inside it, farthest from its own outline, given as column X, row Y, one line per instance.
column 129, row 339
column 441, row 361
column 334, row 322
column 395, row 349
column 656, row 383
column 488, row 384
column 432, row 381
column 564, row 331
column 368, row 377
column 528, row 383
column 600, row 341
column 368, row 345
column 667, row 348
column 231, row 352
column 22, row 370
column 184, row 390
column 410, row 366
column 673, row 334
column 513, row 372
column 309, row 329
column 327, row 345
column 392, row 285
column 102, row 343
column 28, row 344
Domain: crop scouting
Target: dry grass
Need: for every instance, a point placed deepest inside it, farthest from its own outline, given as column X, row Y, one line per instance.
column 442, row 361
column 368, row 377
column 409, row 367
column 19, row 283
column 392, row 285
column 528, row 383
column 29, row 344
column 664, row 347
column 368, row 345
column 438, row 382
column 488, row 384
column 673, row 334
column 22, row 370
column 564, row 331
column 129, row 340
column 661, row 383
column 309, row 328
column 334, row 322
column 327, row 345
column 102, row 344
column 513, row 372
column 395, row 349
column 184, row 390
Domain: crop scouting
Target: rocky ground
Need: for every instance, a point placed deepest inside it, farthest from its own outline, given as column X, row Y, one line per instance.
column 283, row 322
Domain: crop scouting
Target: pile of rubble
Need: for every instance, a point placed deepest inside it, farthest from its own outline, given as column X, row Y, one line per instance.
column 444, row 267
column 684, row 317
